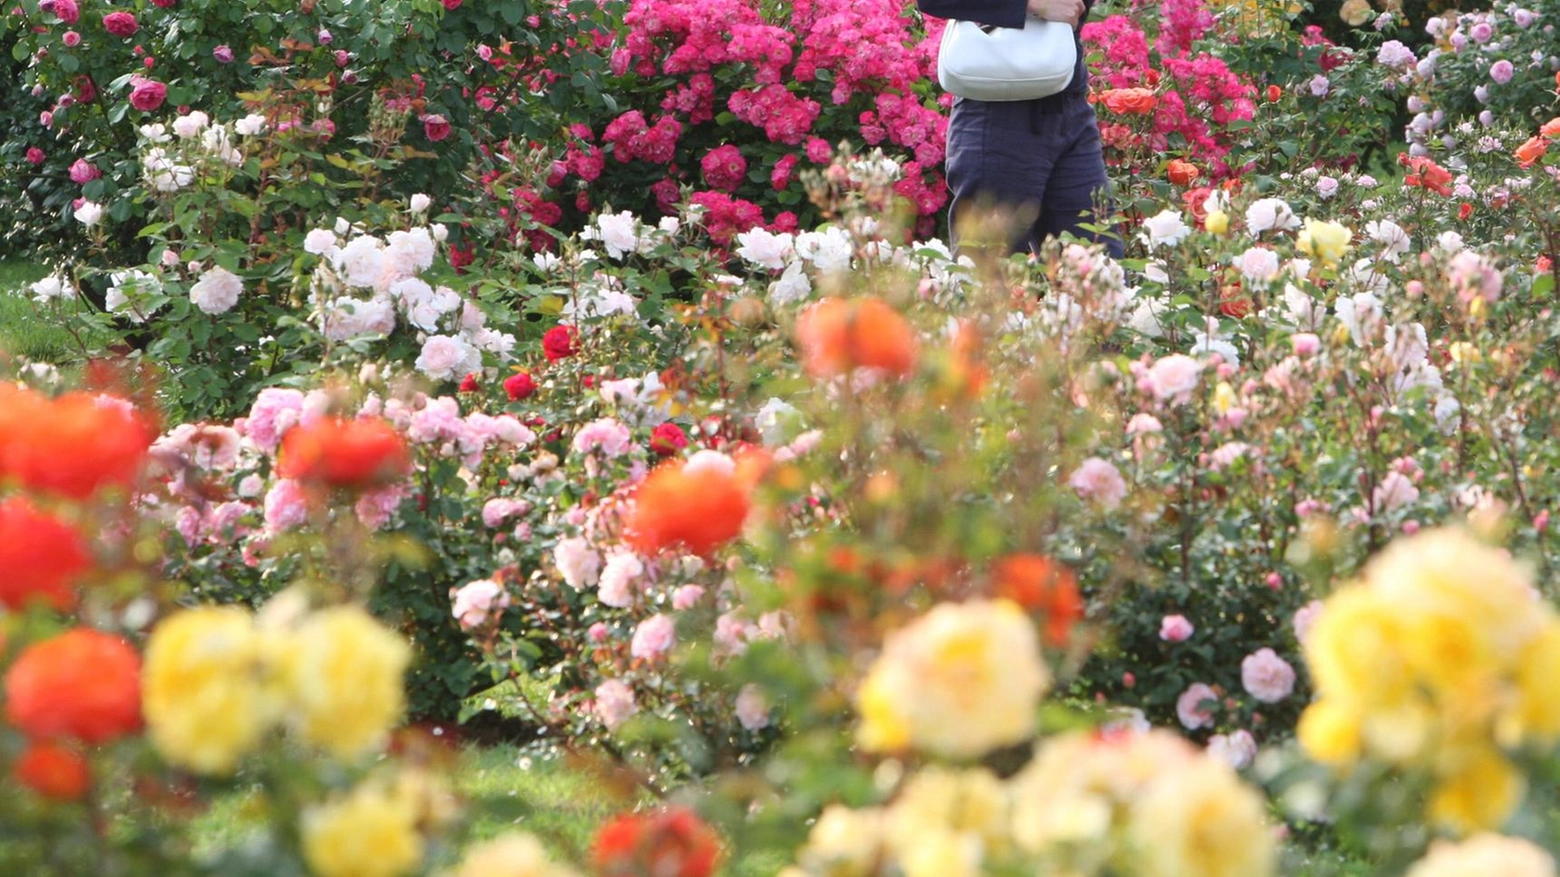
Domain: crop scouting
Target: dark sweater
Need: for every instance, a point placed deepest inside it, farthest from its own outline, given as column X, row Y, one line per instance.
column 1006, row 13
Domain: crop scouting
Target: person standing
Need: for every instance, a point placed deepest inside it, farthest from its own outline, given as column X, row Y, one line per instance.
column 1037, row 158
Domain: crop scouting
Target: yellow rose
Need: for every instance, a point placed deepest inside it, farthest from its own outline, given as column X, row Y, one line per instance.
column 844, row 842
column 1216, row 222
column 1330, row 732
column 202, row 689
column 1197, row 819
column 1481, row 794
column 959, row 681
column 937, row 799
column 942, row 854
column 1485, row 855
column 341, row 672
column 1327, row 241
column 515, row 854
column 368, row 833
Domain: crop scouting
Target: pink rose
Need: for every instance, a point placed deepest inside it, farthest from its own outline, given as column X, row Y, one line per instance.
column 83, row 171
column 478, row 602
column 1195, row 706
column 1305, row 343
column 597, row 633
column 67, row 11
column 223, row 54
column 164, row 4
column 71, row 39
column 286, row 506
column 435, row 127
column 1174, row 377
column 452, row 5
column 1097, row 480
column 1237, row 749
column 654, row 637
column 35, row 155
column 752, row 708
column 1305, row 617
column 1175, row 629
column 686, row 597
column 614, row 703
column 120, row 24
column 1266, row 676
column 147, row 95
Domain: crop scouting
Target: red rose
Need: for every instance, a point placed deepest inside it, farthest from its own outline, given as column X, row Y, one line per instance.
column 1274, row 93
column 468, row 384
column 164, row 4
column 361, row 453
column 560, row 342
column 667, row 439
column 85, row 89
column 435, row 127
column 120, row 24
column 148, row 94
column 519, row 385
column 56, row 772
column 452, row 5
column 671, row 843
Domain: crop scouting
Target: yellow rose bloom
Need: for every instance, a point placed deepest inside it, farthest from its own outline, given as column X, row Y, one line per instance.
column 1216, row 222
column 341, row 672
column 202, row 689
column 1197, row 819
column 958, row 682
column 1329, row 732
column 1327, row 241
column 368, row 833
column 938, row 799
column 515, row 854
column 844, row 842
column 1480, row 795
column 1485, row 855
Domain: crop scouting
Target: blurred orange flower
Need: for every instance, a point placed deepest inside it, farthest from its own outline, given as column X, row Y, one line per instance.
column 1181, row 172
column 72, row 445
column 82, row 684
column 1550, row 128
column 53, row 771
column 364, row 452
column 699, row 504
column 41, row 556
column 1129, row 101
column 838, row 335
column 1040, row 583
column 1531, row 151
column 669, row 843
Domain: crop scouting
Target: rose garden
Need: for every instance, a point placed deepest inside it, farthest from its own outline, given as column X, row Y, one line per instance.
column 507, row 438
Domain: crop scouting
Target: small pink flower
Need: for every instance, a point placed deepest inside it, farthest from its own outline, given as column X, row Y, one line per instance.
column 614, row 703
column 35, row 155
column 1305, row 343
column 1173, row 378
column 1501, row 71
column 477, row 603
column 752, row 708
column 1236, row 749
column 435, row 127
column 1266, row 676
column 597, row 633
column 223, row 54
column 654, row 637
column 71, row 39
column 286, row 506
column 1098, row 480
column 686, row 597
column 83, row 171
column 1195, row 706
column 147, row 95
column 1305, row 617
column 1175, row 629
column 120, row 24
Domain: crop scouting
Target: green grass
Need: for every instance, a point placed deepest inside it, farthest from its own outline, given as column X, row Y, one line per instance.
column 28, row 329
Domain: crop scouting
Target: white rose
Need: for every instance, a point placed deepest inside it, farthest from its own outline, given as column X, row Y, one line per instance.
column 419, row 203
column 90, row 213
column 1166, row 228
column 217, row 291
column 444, row 357
column 251, row 125
column 319, row 241
column 189, row 125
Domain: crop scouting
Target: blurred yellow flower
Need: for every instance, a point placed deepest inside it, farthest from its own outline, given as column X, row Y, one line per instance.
column 1216, row 222
column 958, row 682
column 515, row 854
column 1197, row 819
column 1485, row 855
column 368, row 833
column 1327, row 241
column 1437, row 660
column 341, row 672
column 202, row 689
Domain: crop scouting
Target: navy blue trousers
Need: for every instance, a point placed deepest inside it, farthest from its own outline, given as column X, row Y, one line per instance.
column 1043, row 154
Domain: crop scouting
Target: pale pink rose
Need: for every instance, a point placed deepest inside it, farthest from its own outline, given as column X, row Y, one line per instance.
column 224, row 521
column 618, row 579
column 478, row 602
column 375, row 508
column 1142, row 423
column 1305, row 617
column 251, row 486
column 576, row 562
column 752, row 708
column 686, row 597
column 1173, row 378
column 286, row 506
column 1193, row 708
column 188, row 522
column 1175, row 629
column 731, row 634
column 1236, row 749
column 500, row 509
column 1097, row 480
column 1258, row 264
column 614, row 703
column 274, row 412
column 607, row 435
column 1266, row 676
column 654, row 637
column 1305, row 343
column 597, row 633
column 1394, row 491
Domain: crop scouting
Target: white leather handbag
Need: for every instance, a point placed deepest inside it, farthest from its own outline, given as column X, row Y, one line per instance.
column 1006, row 63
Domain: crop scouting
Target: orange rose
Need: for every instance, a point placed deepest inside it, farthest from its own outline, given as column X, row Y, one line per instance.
column 53, row 771
column 1425, row 172
column 699, row 504
column 82, row 684
column 72, row 445
column 1129, row 101
column 1039, row 583
column 1181, row 172
column 1550, row 128
column 839, row 335
column 365, row 452
column 41, row 555
column 1531, row 151
column 670, row 843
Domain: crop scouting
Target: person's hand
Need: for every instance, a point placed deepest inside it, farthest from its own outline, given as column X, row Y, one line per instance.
column 1069, row 11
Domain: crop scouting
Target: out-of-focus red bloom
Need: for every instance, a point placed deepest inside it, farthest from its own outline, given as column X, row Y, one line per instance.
column 667, row 843
column 82, row 685
column 56, row 772
column 699, row 507
column 365, row 452
column 1043, row 584
column 469, row 384
column 1426, row 173
column 1464, row 210
column 519, row 385
column 667, row 439
column 40, row 557
column 72, row 445
column 1274, row 93
column 560, row 342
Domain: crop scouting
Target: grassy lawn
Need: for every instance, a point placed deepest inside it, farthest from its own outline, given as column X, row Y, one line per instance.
column 25, row 329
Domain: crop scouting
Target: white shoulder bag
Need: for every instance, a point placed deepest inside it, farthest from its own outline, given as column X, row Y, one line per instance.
column 1006, row 63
